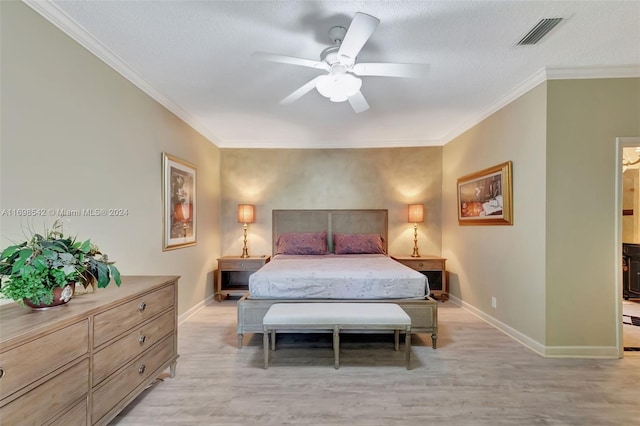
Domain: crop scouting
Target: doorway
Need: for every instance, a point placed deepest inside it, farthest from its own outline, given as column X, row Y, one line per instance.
column 628, row 243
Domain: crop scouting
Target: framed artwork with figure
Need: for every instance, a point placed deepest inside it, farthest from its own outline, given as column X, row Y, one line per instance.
column 179, row 203
column 486, row 197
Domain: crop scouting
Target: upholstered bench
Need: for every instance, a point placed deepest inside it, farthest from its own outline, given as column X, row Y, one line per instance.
column 334, row 317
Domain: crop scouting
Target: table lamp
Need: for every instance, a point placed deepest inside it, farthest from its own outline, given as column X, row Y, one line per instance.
column 246, row 215
column 416, row 215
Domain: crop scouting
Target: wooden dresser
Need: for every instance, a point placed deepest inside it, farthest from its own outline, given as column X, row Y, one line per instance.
column 82, row 363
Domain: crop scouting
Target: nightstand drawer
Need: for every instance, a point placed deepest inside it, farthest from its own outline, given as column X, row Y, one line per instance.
column 240, row 264
column 423, row 264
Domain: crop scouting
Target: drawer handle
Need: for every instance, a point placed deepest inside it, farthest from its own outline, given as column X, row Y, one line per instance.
column 142, row 307
column 141, row 369
column 141, row 339
column 1, row 372
column 242, row 265
column 421, row 265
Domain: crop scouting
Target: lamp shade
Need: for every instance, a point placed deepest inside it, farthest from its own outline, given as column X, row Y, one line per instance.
column 416, row 213
column 246, row 213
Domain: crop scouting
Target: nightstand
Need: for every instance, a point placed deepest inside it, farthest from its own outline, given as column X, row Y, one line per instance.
column 435, row 270
column 232, row 278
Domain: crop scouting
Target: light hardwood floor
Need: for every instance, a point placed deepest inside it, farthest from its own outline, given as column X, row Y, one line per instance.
column 631, row 333
column 477, row 376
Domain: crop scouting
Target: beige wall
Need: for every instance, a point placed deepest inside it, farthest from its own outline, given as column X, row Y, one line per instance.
column 505, row 262
column 76, row 134
column 553, row 271
column 584, row 118
column 385, row 178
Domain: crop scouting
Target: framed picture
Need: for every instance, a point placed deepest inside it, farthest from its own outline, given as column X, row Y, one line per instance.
column 179, row 203
column 485, row 197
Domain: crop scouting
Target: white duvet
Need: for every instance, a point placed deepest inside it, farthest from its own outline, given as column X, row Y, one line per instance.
column 368, row 276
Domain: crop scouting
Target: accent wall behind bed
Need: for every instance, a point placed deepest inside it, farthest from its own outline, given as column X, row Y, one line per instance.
column 372, row 178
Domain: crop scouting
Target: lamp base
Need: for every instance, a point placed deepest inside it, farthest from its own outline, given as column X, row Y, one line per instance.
column 415, row 241
column 245, row 251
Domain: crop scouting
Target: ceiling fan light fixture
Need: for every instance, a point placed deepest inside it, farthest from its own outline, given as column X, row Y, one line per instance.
column 338, row 87
column 342, row 82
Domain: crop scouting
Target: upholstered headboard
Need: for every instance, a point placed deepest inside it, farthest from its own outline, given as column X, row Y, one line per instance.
column 343, row 221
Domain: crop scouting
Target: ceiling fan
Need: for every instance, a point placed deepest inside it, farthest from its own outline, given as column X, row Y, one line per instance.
column 341, row 83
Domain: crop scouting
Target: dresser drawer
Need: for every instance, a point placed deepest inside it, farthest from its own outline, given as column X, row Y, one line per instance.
column 113, row 322
column 76, row 416
column 241, row 264
column 117, row 354
column 45, row 401
column 33, row 360
column 117, row 388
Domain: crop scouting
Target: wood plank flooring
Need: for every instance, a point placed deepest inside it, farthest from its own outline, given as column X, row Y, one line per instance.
column 631, row 333
column 477, row 376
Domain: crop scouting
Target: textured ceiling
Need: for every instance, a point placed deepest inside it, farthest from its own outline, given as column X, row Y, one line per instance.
column 195, row 57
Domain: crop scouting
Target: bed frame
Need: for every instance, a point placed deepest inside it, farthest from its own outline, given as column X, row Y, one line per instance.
column 423, row 312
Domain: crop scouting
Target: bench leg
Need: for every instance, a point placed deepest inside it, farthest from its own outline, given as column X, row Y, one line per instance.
column 336, row 347
column 265, row 344
column 434, row 340
column 397, row 339
column 273, row 340
column 240, row 340
column 407, row 342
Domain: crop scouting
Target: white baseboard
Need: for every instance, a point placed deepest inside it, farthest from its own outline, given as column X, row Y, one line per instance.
column 535, row 346
column 581, row 352
column 509, row 331
column 191, row 312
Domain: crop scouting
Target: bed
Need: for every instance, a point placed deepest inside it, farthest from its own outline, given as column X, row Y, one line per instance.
column 363, row 278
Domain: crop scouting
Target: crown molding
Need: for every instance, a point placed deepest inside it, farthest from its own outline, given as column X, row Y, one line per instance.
column 545, row 74
column 621, row 71
column 519, row 90
column 327, row 144
column 64, row 23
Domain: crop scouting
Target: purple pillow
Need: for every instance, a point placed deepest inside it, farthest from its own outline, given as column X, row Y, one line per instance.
column 302, row 243
column 358, row 244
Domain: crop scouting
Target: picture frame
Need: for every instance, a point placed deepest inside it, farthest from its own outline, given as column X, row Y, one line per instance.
column 486, row 197
column 178, row 203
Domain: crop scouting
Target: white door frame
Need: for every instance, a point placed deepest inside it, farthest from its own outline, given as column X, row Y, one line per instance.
column 620, row 144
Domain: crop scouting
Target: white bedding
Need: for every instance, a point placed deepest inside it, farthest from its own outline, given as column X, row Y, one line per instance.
column 369, row 276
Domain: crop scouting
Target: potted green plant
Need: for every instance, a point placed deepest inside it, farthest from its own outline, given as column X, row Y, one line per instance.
column 43, row 270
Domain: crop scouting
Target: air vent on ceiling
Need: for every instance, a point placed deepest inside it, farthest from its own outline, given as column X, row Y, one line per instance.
column 539, row 30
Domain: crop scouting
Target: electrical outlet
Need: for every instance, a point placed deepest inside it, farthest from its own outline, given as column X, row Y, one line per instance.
column 494, row 303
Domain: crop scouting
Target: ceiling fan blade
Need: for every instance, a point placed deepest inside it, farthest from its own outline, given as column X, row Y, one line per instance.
column 358, row 102
column 361, row 28
column 309, row 86
column 391, row 70
column 271, row 57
